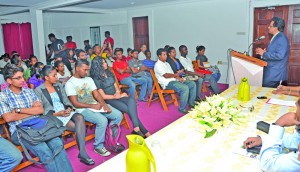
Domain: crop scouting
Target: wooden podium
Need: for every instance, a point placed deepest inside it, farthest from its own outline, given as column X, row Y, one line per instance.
column 245, row 66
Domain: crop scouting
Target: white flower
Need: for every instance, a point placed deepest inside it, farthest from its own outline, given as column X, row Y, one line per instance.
column 204, row 107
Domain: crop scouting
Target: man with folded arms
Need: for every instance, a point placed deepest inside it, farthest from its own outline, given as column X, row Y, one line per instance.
column 271, row 157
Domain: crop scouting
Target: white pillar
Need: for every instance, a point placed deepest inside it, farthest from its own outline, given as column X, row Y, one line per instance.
column 37, row 29
column 2, row 50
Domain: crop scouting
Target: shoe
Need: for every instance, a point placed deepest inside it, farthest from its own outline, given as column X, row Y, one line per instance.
column 184, row 111
column 192, row 106
column 102, row 151
column 86, row 161
column 120, row 147
column 138, row 133
column 144, row 100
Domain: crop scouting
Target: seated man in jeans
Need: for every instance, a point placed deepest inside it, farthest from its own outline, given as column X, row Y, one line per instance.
column 84, row 95
column 10, row 156
column 168, row 80
column 122, row 72
column 189, row 69
column 138, row 69
column 18, row 104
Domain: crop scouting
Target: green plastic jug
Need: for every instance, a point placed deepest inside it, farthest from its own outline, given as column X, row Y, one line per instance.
column 138, row 156
column 244, row 90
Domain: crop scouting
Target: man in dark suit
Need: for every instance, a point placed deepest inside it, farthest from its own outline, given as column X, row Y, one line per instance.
column 276, row 55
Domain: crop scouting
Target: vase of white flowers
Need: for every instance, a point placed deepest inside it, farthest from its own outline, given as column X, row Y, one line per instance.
column 216, row 113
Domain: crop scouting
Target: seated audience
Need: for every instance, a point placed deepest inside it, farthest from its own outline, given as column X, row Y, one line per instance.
column 139, row 70
column 54, row 98
column 201, row 59
column 15, row 61
column 66, row 70
column 36, row 80
column 107, row 55
column 20, row 104
column 148, row 62
column 10, row 156
column 142, row 55
column 28, row 72
column 271, row 157
column 288, row 90
column 168, row 80
column 84, row 96
column 98, row 51
column 89, row 53
column 122, row 72
column 70, row 44
column 61, row 75
column 72, row 58
column 108, row 89
column 189, row 69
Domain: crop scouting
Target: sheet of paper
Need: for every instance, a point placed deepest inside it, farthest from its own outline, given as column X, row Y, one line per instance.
column 281, row 102
column 94, row 110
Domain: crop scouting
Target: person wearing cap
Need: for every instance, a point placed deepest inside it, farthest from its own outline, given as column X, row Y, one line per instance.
column 271, row 156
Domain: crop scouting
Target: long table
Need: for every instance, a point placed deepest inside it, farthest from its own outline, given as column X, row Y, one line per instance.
column 181, row 147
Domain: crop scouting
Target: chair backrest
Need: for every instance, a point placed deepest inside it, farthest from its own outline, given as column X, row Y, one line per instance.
column 195, row 64
column 117, row 81
column 155, row 82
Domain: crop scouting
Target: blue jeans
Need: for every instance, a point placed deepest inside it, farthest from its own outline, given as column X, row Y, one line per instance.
column 130, row 81
column 46, row 150
column 101, row 121
column 186, row 90
column 217, row 76
column 212, row 82
column 10, row 156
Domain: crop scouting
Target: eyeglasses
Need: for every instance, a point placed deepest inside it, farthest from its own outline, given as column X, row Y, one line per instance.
column 18, row 78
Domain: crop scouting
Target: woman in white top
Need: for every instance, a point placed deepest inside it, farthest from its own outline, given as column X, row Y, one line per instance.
column 61, row 75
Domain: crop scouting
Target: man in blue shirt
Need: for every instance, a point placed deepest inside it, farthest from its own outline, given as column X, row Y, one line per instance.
column 271, row 157
column 148, row 62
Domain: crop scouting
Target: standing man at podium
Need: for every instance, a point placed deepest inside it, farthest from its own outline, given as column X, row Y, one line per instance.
column 276, row 55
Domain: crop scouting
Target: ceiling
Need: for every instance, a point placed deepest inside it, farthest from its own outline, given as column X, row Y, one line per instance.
column 17, row 6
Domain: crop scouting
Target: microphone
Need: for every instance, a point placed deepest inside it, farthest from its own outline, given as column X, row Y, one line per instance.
column 260, row 38
column 256, row 40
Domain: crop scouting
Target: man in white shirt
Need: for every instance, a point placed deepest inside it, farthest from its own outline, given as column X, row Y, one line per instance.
column 189, row 69
column 142, row 55
column 271, row 157
column 168, row 80
column 84, row 95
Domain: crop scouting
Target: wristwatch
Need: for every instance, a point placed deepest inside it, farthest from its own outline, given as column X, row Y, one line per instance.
column 18, row 110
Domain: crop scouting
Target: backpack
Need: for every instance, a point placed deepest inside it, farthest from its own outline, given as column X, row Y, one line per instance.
column 112, row 135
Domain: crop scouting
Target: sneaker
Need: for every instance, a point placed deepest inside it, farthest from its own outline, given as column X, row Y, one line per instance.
column 144, row 100
column 120, row 147
column 192, row 106
column 102, row 151
column 184, row 111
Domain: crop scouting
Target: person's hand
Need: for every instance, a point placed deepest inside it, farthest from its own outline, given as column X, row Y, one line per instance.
column 288, row 119
column 63, row 113
column 260, row 51
column 180, row 71
column 96, row 106
column 251, row 142
column 104, row 45
column 36, row 104
column 200, row 74
column 144, row 68
column 124, row 95
column 68, row 110
column 117, row 95
column 106, row 108
column 276, row 91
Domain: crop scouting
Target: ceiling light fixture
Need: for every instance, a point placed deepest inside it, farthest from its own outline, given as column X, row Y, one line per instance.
column 132, row 2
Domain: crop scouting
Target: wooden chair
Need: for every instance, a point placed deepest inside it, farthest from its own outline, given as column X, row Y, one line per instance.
column 195, row 64
column 123, row 86
column 161, row 92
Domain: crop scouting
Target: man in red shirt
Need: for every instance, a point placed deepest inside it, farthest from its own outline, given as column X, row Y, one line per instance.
column 70, row 44
column 109, row 40
column 122, row 72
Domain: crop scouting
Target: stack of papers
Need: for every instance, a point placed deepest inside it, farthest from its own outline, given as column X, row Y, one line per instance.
column 281, row 102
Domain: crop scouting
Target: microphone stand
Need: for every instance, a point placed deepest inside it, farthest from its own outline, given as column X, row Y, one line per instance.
column 250, row 46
